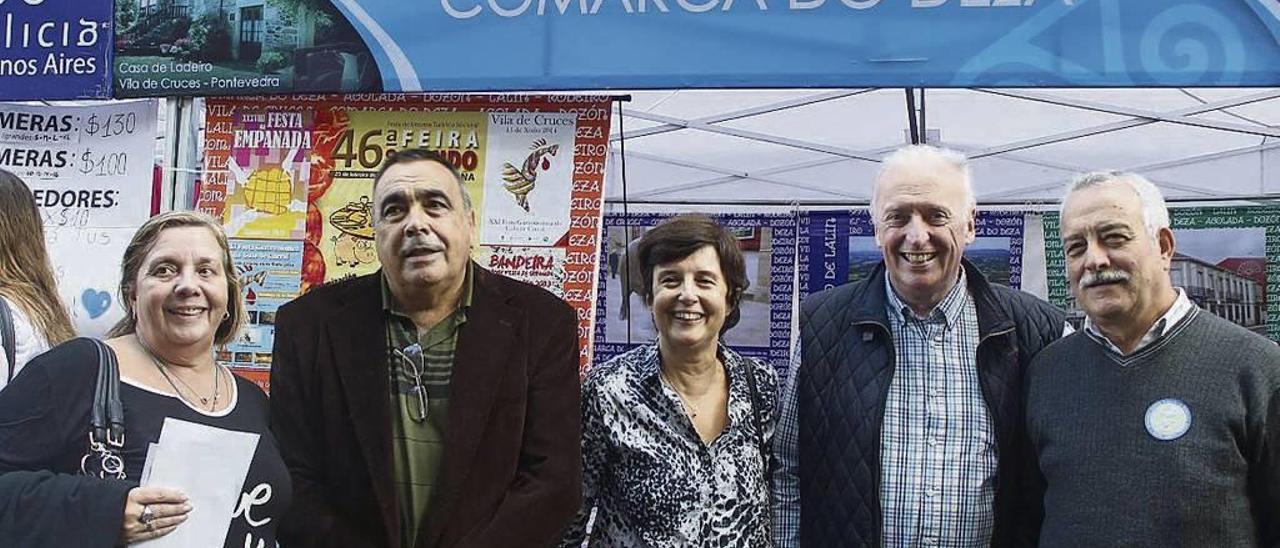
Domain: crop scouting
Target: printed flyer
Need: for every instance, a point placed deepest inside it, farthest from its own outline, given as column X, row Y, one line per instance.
column 530, row 204
column 268, row 173
column 362, row 140
column 270, row 274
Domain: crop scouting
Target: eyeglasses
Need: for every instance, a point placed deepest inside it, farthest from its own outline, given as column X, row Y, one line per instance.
column 412, row 355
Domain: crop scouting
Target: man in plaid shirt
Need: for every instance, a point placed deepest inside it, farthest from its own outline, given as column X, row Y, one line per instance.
column 902, row 422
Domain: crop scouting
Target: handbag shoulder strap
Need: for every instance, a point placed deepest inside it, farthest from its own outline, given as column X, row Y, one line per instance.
column 766, row 456
column 8, row 338
column 755, row 412
column 106, row 419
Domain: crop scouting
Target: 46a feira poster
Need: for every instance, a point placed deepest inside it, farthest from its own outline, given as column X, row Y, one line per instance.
column 301, row 169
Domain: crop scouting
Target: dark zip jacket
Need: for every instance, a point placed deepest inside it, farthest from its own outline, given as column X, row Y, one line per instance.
column 844, row 381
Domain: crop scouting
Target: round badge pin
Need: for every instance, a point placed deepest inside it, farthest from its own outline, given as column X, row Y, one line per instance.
column 1168, row 419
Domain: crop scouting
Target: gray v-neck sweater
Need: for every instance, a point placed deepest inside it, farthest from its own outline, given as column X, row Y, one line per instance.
column 1177, row 444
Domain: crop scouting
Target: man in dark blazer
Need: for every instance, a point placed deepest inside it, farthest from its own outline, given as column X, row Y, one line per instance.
column 432, row 403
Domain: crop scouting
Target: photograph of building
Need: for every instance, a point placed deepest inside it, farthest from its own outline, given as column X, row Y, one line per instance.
column 270, row 45
column 1223, row 271
column 1221, row 289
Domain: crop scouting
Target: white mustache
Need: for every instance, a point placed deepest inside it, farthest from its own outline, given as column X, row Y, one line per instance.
column 1099, row 277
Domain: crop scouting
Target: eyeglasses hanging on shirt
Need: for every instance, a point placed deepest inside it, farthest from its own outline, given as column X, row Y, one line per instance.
column 412, row 355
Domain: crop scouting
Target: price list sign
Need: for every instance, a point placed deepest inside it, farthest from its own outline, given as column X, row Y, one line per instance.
column 90, row 169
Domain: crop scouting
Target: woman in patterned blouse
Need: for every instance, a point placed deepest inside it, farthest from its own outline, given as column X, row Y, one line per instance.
column 675, row 431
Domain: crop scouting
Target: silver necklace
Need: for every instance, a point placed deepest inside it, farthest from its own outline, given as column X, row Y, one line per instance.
column 162, row 366
column 688, row 409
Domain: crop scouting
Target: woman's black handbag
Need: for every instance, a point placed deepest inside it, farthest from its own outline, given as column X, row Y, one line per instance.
column 106, row 420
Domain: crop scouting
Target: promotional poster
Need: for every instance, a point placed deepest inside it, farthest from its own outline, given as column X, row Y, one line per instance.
column 295, row 176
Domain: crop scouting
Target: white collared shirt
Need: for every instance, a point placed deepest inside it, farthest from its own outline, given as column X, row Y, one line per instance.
column 1181, row 307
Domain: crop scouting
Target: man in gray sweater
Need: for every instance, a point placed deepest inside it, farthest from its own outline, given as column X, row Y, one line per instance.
column 1158, row 424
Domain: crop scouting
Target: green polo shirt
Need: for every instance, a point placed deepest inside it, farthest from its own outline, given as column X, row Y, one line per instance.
column 418, row 446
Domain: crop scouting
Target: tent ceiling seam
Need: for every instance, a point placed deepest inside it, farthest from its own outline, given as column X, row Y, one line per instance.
column 1226, row 110
column 1205, row 157
column 1133, row 112
column 761, row 137
column 1124, row 124
column 731, row 177
column 749, row 112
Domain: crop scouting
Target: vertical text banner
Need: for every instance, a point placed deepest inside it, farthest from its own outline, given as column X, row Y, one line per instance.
column 89, row 168
column 838, row 247
column 768, row 244
column 1227, row 260
column 55, row 49
column 301, row 171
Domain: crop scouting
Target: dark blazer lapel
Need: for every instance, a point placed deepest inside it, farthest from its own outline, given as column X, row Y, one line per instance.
column 359, row 347
column 482, row 360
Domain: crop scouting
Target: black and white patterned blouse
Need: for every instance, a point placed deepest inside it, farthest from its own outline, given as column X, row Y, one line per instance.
column 651, row 479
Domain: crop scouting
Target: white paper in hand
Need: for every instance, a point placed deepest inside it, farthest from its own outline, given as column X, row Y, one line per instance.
column 152, row 449
column 209, row 464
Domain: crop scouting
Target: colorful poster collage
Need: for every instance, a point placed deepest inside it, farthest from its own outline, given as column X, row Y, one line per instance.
column 1227, row 259
column 837, row 247
column 270, row 273
column 90, row 169
column 301, row 170
column 768, row 243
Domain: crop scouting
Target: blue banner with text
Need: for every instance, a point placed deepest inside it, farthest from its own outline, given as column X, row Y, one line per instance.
column 55, row 49
column 257, row 46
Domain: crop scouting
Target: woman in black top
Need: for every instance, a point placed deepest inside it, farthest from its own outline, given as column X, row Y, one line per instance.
column 181, row 296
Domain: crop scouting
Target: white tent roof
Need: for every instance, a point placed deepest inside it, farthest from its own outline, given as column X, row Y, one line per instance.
column 823, row 146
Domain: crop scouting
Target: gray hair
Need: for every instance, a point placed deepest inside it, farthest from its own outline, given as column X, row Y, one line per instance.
column 923, row 154
column 1155, row 214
